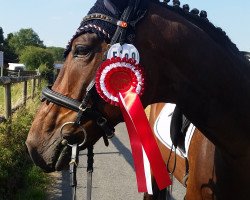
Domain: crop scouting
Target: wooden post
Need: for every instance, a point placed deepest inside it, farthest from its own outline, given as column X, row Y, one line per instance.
column 24, row 92
column 39, row 79
column 7, row 100
column 33, row 88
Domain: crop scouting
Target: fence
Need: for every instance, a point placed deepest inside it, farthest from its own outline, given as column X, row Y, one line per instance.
column 19, row 73
column 8, row 81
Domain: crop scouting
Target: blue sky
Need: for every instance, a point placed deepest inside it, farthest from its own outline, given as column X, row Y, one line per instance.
column 56, row 21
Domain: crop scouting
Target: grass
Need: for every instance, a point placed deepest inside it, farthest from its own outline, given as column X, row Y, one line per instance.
column 1, row 99
column 19, row 178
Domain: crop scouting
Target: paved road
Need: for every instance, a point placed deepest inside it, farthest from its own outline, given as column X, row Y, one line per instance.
column 113, row 177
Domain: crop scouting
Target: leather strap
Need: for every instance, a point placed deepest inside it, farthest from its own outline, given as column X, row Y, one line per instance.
column 120, row 33
column 79, row 107
column 90, row 170
column 100, row 16
column 59, row 99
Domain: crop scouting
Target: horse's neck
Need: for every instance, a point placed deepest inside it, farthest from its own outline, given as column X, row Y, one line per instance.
column 187, row 67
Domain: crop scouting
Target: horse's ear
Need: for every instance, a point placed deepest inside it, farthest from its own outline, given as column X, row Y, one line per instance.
column 111, row 7
column 116, row 7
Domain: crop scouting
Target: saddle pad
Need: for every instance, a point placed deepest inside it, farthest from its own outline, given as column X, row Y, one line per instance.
column 162, row 129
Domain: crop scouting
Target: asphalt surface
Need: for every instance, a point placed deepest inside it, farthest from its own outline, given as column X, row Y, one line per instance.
column 113, row 176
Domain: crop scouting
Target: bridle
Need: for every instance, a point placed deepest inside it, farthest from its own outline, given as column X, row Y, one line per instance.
column 84, row 109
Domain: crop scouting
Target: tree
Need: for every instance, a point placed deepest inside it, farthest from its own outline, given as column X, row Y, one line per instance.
column 57, row 53
column 24, row 38
column 34, row 57
column 9, row 53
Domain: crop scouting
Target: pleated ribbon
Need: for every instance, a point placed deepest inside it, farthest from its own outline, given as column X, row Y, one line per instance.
column 142, row 139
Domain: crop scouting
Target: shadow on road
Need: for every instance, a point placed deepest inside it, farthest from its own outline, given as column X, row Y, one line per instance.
column 124, row 151
column 65, row 188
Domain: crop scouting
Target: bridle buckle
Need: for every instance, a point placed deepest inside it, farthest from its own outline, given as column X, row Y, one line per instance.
column 122, row 24
column 83, row 108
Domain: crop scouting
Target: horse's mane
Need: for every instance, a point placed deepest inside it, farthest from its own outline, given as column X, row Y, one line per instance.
column 200, row 19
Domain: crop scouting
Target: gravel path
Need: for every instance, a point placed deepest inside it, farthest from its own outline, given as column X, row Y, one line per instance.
column 113, row 177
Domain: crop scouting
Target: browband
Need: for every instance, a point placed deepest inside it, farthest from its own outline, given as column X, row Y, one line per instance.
column 100, row 16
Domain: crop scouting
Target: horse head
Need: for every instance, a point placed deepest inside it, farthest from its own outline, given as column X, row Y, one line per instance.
column 55, row 123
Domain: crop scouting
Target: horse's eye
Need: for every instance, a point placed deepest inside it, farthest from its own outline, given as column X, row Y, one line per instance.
column 81, row 50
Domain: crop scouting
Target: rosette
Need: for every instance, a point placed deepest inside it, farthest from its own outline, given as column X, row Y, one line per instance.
column 119, row 75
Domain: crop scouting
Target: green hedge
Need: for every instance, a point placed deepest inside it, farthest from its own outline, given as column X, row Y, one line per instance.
column 19, row 178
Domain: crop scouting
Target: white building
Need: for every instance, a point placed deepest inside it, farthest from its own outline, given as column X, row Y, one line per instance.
column 16, row 66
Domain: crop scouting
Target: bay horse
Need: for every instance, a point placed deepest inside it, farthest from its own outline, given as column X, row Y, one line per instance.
column 187, row 61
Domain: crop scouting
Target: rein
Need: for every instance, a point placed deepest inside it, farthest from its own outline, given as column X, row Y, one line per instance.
column 83, row 109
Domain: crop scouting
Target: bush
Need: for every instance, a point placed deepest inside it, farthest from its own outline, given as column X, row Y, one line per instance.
column 33, row 57
column 47, row 73
column 45, row 70
column 19, row 178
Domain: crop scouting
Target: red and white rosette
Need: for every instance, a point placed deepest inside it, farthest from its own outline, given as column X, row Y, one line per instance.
column 119, row 75
column 120, row 82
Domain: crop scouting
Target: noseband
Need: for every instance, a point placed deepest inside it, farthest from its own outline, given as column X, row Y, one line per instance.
column 84, row 111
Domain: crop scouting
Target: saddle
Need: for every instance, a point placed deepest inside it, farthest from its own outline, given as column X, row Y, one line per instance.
column 178, row 128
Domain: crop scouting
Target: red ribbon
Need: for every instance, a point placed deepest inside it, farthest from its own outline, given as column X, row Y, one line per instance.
column 141, row 135
column 136, row 148
column 121, row 81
